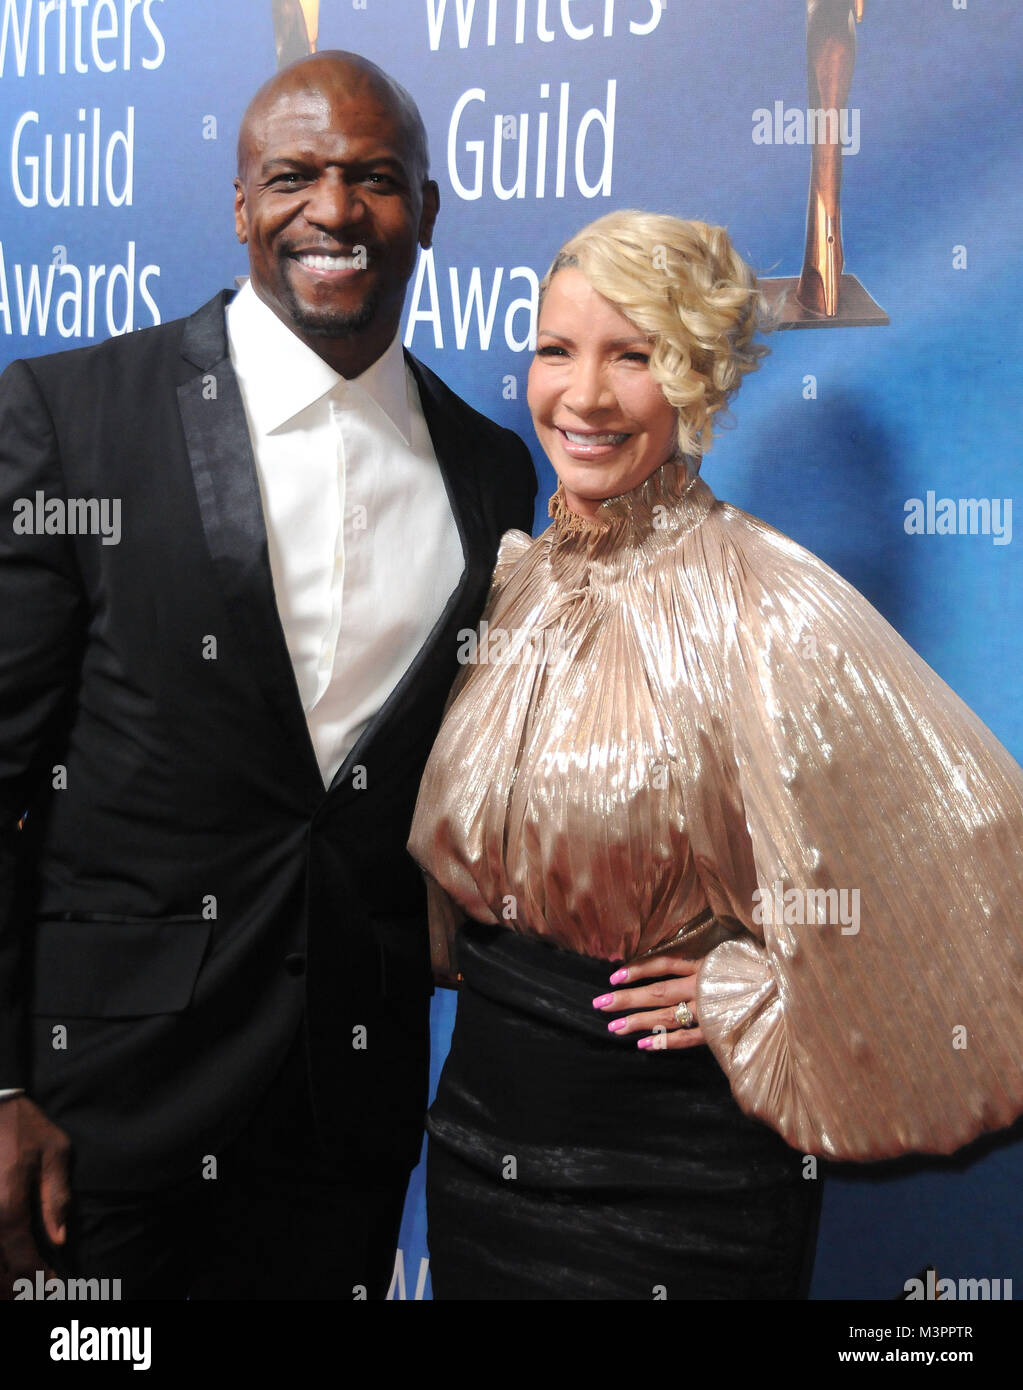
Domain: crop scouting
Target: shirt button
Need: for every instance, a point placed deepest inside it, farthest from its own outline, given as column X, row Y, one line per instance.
column 294, row 963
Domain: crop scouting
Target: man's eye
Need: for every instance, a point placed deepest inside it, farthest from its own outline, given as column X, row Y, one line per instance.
column 288, row 180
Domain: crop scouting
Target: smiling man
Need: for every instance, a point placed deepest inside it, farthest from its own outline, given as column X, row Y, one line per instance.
column 214, row 971
column 333, row 199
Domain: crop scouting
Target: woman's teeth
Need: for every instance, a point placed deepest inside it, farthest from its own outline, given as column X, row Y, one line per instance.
column 574, row 438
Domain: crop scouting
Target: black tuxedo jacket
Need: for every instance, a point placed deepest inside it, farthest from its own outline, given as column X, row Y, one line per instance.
column 183, row 891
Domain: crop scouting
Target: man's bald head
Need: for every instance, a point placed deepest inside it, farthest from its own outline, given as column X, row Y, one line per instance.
column 333, row 201
column 332, row 71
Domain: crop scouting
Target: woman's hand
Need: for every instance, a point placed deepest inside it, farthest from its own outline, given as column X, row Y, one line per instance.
column 658, row 1001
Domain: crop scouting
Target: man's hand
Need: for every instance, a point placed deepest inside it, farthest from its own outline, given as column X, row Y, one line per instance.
column 34, row 1164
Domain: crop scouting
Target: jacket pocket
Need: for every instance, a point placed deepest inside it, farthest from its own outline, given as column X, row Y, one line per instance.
column 100, row 967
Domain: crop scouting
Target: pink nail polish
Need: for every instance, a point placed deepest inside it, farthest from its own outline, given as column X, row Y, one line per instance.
column 619, row 977
column 616, row 1025
column 645, row 1042
column 602, row 1001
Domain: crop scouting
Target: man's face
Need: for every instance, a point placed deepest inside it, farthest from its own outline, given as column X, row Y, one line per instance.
column 332, row 207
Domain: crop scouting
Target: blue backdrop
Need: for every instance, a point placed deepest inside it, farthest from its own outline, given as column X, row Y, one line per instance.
column 118, row 120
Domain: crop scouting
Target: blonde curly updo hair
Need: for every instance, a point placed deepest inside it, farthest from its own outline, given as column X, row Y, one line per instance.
column 684, row 285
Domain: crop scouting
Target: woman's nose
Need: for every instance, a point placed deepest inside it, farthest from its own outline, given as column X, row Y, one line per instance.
column 587, row 390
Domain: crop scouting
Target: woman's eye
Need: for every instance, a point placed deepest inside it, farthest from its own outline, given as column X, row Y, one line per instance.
column 643, row 357
column 550, row 350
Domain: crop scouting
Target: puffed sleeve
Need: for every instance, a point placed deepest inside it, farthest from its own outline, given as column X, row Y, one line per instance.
column 870, row 1003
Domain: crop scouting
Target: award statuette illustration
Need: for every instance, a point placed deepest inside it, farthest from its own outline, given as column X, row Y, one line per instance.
column 823, row 296
column 296, row 27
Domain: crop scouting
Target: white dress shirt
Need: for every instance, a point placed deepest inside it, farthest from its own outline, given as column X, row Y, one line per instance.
column 363, row 545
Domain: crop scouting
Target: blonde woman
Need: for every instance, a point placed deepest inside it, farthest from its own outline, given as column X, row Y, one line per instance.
column 726, row 860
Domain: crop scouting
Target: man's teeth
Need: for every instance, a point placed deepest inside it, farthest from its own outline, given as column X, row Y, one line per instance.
column 594, row 438
column 327, row 262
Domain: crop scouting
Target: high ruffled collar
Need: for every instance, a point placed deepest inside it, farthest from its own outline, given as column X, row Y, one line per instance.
column 670, row 502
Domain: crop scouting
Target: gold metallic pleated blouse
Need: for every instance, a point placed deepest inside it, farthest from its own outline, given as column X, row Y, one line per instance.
column 677, row 725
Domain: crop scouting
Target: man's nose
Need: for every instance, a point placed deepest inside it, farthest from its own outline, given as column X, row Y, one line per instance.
column 334, row 203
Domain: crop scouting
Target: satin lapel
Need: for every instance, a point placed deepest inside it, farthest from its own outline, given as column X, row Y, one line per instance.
column 227, row 489
column 392, row 733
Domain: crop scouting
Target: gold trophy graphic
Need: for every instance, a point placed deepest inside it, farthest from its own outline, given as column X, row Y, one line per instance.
column 296, row 27
column 823, row 296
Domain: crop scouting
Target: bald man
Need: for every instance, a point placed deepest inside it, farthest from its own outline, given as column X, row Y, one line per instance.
column 214, row 973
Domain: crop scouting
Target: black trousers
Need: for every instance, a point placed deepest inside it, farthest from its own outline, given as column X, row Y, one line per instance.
column 281, row 1219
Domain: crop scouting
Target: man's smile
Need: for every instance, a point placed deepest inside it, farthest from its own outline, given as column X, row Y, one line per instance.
column 331, row 264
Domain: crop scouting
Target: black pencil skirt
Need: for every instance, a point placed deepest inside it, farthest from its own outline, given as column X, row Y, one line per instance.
column 565, row 1163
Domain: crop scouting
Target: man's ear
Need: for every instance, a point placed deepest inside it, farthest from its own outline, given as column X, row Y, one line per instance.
column 431, row 206
column 241, row 220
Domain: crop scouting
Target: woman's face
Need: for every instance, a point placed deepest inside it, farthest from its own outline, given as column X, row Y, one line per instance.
column 599, row 414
